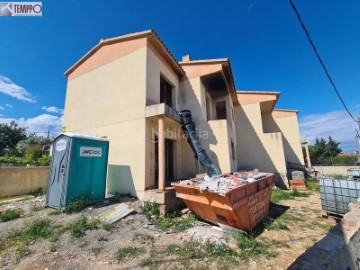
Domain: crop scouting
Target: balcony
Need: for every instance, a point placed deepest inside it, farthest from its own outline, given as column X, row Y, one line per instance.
column 162, row 109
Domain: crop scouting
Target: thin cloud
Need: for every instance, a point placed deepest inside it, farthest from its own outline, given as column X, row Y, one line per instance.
column 336, row 124
column 53, row 109
column 39, row 124
column 9, row 105
column 8, row 87
column 2, row 108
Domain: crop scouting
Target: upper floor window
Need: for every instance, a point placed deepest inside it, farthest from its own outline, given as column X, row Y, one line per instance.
column 221, row 110
column 166, row 90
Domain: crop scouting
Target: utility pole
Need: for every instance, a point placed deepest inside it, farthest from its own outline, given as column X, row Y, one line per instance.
column 358, row 141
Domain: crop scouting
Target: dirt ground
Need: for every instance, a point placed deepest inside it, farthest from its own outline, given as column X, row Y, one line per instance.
column 135, row 243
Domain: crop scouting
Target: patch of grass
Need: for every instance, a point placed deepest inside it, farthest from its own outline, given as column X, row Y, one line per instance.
column 38, row 192
column 127, row 253
column 278, row 195
column 278, row 226
column 10, row 215
column 144, row 238
column 53, row 247
column 39, row 228
column 324, row 226
column 339, row 176
column 55, row 212
column 108, row 226
column 249, row 246
column 173, row 222
column 77, row 205
column 27, row 197
column 150, row 209
column 57, row 231
column 34, row 208
column 4, row 203
column 276, row 243
column 94, row 224
column 96, row 251
column 21, row 252
column 313, row 185
column 102, row 239
column 297, row 193
column 218, row 250
column 79, row 226
column 193, row 255
column 118, row 197
column 83, row 243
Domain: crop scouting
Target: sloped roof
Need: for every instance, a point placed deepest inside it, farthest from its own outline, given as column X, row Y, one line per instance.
column 144, row 34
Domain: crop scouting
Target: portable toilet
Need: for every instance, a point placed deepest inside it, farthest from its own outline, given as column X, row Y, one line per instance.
column 78, row 169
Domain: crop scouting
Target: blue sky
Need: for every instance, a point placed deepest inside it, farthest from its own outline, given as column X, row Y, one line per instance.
column 266, row 45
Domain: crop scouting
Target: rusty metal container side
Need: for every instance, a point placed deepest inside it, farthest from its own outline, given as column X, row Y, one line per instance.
column 243, row 207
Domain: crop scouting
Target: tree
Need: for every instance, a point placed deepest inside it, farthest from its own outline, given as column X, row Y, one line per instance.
column 322, row 151
column 23, row 145
column 10, row 135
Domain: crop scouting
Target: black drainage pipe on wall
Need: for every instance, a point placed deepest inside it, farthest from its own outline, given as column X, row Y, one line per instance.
column 188, row 127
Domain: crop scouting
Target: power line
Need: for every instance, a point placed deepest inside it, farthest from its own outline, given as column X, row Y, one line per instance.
column 320, row 60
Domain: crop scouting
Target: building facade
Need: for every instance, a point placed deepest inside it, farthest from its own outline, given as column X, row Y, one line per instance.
column 129, row 90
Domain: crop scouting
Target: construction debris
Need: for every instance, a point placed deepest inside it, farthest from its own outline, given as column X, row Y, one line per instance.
column 226, row 182
column 115, row 213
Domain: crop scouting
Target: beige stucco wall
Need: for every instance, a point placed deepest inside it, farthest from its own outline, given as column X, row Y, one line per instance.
column 19, row 181
column 334, row 170
column 156, row 67
column 109, row 101
column 256, row 149
column 215, row 135
column 289, row 128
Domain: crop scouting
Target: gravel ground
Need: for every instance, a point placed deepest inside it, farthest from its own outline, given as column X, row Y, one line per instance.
column 96, row 249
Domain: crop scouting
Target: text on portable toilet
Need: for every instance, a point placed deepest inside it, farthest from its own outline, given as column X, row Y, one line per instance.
column 90, row 152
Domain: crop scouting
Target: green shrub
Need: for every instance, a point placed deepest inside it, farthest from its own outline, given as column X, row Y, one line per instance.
column 341, row 161
column 44, row 160
column 77, row 205
column 10, row 215
column 33, row 152
column 78, row 227
column 10, row 160
column 150, row 209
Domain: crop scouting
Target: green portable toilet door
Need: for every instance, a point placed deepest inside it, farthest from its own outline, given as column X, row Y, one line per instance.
column 87, row 178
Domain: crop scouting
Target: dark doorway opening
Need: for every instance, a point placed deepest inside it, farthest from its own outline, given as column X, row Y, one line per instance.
column 169, row 162
column 221, row 110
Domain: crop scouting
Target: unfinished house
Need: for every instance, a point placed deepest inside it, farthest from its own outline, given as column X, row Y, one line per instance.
column 130, row 89
column 267, row 138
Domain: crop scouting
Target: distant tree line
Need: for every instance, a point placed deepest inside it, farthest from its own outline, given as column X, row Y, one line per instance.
column 326, row 153
column 18, row 148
